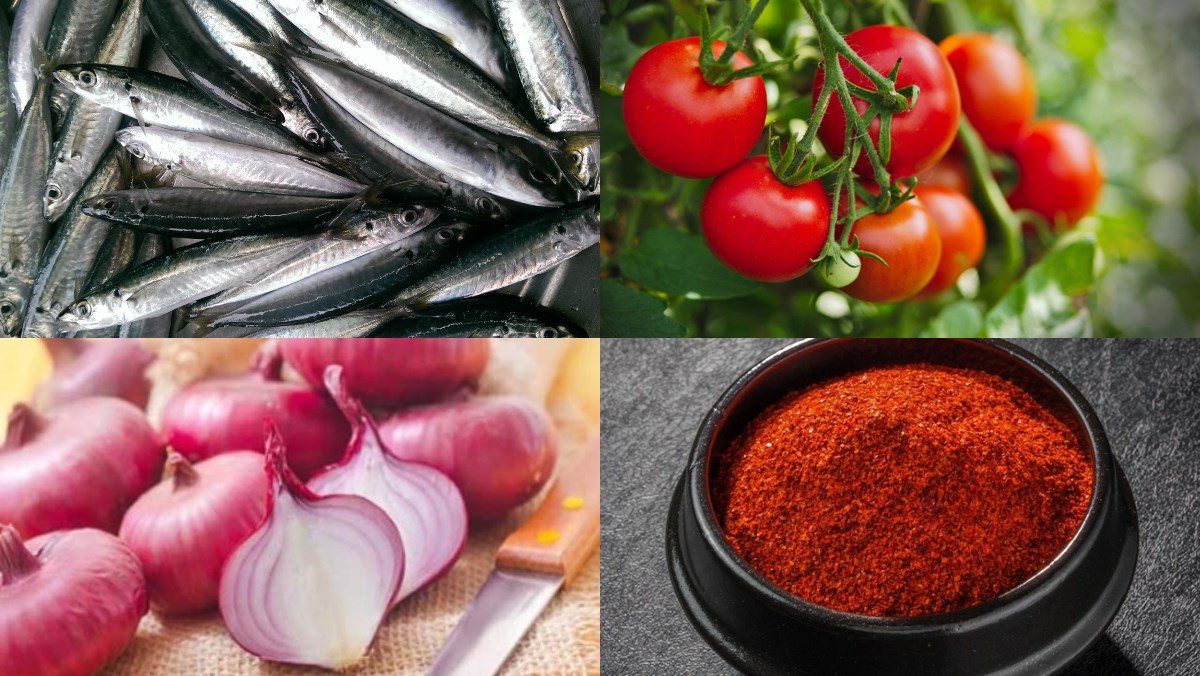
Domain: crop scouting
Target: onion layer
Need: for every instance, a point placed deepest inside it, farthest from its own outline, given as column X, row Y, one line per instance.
column 80, row 466
column 219, row 415
column 68, row 604
column 184, row 529
column 498, row 450
column 392, row 371
column 313, row 583
column 96, row 368
column 426, row 507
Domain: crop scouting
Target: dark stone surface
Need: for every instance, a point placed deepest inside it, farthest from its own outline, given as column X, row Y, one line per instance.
column 655, row 392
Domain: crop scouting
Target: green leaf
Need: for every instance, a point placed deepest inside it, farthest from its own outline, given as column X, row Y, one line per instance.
column 1044, row 303
column 679, row 264
column 629, row 313
column 617, row 54
column 960, row 319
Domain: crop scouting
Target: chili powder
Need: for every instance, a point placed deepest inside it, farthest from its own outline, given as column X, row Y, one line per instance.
column 903, row 490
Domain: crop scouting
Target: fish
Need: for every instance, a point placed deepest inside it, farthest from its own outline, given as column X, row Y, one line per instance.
column 583, row 21
column 211, row 212
column 222, row 164
column 354, row 284
column 87, row 132
column 78, row 29
column 162, row 101
column 184, row 276
column 430, row 136
column 117, row 254
column 509, row 256
column 26, row 48
column 467, row 29
column 23, row 226
column 491, row 316
column 8, row 115
column 378, row 42
column 155, row 327
column 359, row 235
column 71, row 254
column 267, row 18
column 210, row 70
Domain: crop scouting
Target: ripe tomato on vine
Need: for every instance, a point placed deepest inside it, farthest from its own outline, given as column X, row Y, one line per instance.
column 999, row 96
column 1059, row 172
column 908, row 242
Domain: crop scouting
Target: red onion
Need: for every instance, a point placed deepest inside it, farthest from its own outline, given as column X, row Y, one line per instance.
column 313, row 583
column 392, row 371
column 498, row 450
column 96, row 368
column 81, row 465
column 184, row 529
column 424, row 504
column 69, row 603
column 219, row 415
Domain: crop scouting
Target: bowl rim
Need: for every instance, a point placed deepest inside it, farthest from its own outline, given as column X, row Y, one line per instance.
column 697, row 471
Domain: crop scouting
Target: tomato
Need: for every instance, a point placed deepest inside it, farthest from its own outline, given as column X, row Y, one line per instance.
column 1059, row 172
column 962, row 233
column 950, row 172
column 998, row 92
column 683, row 125
column 841, row 270
column 920, row 136
column 908, row 240
column 762, row 228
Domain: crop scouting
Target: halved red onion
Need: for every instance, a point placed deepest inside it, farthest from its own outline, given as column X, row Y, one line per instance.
column 184, row 529
column 313, row 583
column 424, row 503
column 70, row 601
column 225, row 414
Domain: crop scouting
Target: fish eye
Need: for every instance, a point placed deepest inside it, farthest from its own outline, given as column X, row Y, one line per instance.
column 108, row 204
column 116, row 293
column 445, row 235
column 83, row 309
column 547, row 332
column 560, row 230
column 483, row 204
column 128, row 85
column 137, row 151
column 6, row 309
column 312, row 135
column 577, row 159
column 408, row 217
column 87, row 78
column 53, row 192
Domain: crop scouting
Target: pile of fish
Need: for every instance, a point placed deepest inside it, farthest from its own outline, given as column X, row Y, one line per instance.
column 292, row 167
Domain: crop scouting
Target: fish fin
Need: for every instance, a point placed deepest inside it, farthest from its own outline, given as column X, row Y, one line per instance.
column 448, row 40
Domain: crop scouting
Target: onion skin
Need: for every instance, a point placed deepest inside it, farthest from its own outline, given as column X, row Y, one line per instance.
column 313, row 583
column 500, row 451
column 219, row 415
column 69, row 602
column 391, row 372
column 421, row 501
column 79, row 466
column 184, row 528
column 99, row 367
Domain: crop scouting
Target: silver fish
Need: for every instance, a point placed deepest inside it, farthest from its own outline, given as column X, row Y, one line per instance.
column 8, row 116
column 376, row 41
column 222, row 164
column 158, row 100
column 155, row 327
column 356, row 324
column 71, row 254
column 362, row 234
column 267, row 18
column 78, row 28
column 116, row 256
column 157, row 61
column 87, row 132
column 464, row 25
column 431, row 136
column 23, row 227
column 31, row 25
column 548, row 63
column 159, row 286
column 491, row 316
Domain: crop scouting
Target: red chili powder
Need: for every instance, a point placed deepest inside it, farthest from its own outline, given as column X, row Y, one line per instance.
column 904, row 490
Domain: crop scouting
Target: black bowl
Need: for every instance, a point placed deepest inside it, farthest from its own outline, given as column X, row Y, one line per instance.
column 1039, row 627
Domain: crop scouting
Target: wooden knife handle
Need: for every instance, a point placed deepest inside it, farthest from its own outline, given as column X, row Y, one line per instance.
column 565, row 530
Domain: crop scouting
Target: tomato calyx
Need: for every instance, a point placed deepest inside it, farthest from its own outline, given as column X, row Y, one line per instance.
column 720, row 70
column 792, row 160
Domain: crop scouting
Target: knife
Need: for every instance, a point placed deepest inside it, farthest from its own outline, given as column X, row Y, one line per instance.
column 532, row 565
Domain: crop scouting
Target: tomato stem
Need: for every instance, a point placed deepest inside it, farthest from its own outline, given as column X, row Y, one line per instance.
column 995, row 209
column 718, row 71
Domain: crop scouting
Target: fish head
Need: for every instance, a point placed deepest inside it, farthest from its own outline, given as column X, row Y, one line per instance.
column 137, row 143
column 81, row 79
column 108, row 205
column 54, row 199
column 584, row 166
column 488, row 209
column 12, row 310
column 576, row 234
column 96, row 311
column 450, row 234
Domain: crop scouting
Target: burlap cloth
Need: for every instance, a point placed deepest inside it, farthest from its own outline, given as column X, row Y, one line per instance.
column 564, row 640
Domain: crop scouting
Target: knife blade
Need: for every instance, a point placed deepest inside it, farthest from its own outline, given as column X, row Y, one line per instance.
column 532, row 565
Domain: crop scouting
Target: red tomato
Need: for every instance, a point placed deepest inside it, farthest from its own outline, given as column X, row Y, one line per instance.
column 683, row 125
column 961, row 229
column 950, row 172
column 1059, row 171
column 908, row 240
column 762, row 228
column 998, row 93
column 920, row 136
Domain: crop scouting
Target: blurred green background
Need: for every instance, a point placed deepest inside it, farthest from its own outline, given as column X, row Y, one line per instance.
column 1125, row 71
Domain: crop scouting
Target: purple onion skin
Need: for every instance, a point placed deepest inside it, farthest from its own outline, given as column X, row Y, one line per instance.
column 500, row 451
column 98, row 367
column 79, row 466
column 70, row 602
column 391, row 372
column 221, row 415
column 185, row 528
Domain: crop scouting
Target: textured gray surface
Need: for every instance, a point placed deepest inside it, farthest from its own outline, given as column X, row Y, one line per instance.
column 655, row 392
